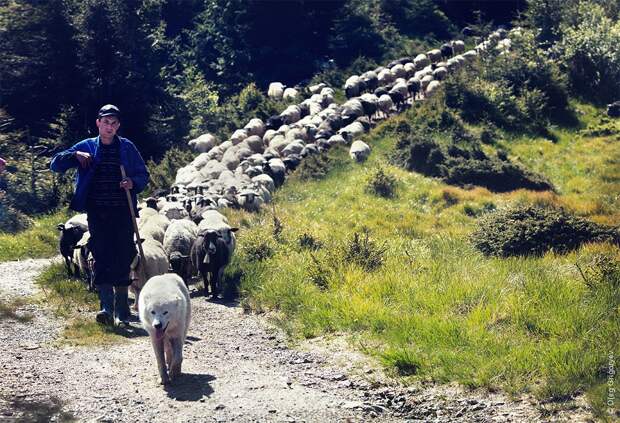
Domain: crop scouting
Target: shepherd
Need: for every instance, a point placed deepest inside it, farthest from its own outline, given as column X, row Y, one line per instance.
column 100, row 191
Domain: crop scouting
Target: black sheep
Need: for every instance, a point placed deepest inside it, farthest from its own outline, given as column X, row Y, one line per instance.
column 69, row 237
column 210, row 253
column 274, row 122
column 370, row 108
column 398, row 99
column 413, row 86
column 446, row 51
column 276, row 174
column 291, row 162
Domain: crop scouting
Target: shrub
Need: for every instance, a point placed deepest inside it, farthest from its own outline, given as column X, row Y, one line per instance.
column 313, row 167
column 309, row 242
column 590, row 52
column 533, row 230
column 364, row 252
column 382, row 184
column 517, row 90
column 257, row 248
column 11, row 220
column 466, row 166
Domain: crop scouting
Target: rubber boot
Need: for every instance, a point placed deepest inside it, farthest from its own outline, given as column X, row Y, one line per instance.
column 106, row 302
column 121, row 306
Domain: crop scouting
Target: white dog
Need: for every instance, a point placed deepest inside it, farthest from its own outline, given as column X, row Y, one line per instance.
column 165, row 310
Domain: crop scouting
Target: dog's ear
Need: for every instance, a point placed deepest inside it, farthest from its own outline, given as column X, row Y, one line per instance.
column 234, row 229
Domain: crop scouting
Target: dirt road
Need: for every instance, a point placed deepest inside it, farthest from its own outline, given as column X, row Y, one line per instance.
column 236, row 368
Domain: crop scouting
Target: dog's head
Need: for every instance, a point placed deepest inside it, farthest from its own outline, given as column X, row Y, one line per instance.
column 160, row 315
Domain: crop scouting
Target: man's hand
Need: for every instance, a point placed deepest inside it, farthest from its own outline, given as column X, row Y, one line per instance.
column 127, row 183
column 84, row 158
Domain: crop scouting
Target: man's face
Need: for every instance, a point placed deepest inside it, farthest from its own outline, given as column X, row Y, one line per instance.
column 108, row 125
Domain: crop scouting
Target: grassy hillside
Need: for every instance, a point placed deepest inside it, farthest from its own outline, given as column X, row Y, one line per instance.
column 39, row 240
column 413, row 290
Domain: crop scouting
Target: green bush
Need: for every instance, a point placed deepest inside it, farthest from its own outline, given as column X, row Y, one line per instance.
column 533, row 230
column 363, row 251
column 591, row 53
column 313, row 167
column 465, row 165
column 11, row 220
column 309, row 242
column 382, row 184
column 520, row 89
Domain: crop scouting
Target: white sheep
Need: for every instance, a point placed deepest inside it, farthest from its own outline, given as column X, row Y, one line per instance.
column 458, row 47
column 385, row 77
column 425, row 81
column 359, row 151
column 398, row 71
column 431, row 89
column 177, row 244
column 353, row 130
column 385, row 104
column 421, row 61
column 276, row 90
column 440, row 73
column 203, row 143
column 158, row 219
column 352, row 108
column 290, row 94
column 152, row 230
column 265, row 181
column 352, row 86
column 238, row 136
column 314, row 89
column 255, row 127
column 291, row 114
column 154, row 262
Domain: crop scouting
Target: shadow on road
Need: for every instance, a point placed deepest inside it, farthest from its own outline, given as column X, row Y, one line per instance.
column 190, row 387
column 35, row 410
column 131, row 331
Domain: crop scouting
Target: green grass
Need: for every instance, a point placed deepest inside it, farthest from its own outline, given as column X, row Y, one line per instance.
column 71, row 300
column 40, row 240
column 437, row 308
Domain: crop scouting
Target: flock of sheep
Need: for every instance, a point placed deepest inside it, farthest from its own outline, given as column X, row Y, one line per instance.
column 184, row 232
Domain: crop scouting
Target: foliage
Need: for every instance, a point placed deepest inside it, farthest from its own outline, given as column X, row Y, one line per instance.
column 309, row 242
column 521, row 89
column 552, row 17
column 364, row 251
column 534, row 230
column 11, row 220
column 590, row 52
column 382, row 184
column 465, row 165
column 313, row 167
column 163, row 173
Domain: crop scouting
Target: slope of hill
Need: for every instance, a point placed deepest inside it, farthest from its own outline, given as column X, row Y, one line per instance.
column 402, row 278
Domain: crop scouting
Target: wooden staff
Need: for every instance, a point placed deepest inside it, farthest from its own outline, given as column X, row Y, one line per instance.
column 135, row 228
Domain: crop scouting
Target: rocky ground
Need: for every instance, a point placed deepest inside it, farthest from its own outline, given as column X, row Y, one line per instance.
column 236, row 368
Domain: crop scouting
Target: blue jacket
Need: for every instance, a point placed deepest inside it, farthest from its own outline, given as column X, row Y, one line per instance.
column 130, row 159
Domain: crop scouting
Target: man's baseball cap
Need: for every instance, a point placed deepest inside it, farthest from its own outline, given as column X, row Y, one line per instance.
column 109, row 110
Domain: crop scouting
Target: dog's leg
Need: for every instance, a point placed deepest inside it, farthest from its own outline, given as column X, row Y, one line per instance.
column 158, row 347
column 168, row 351
column 177, row 358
